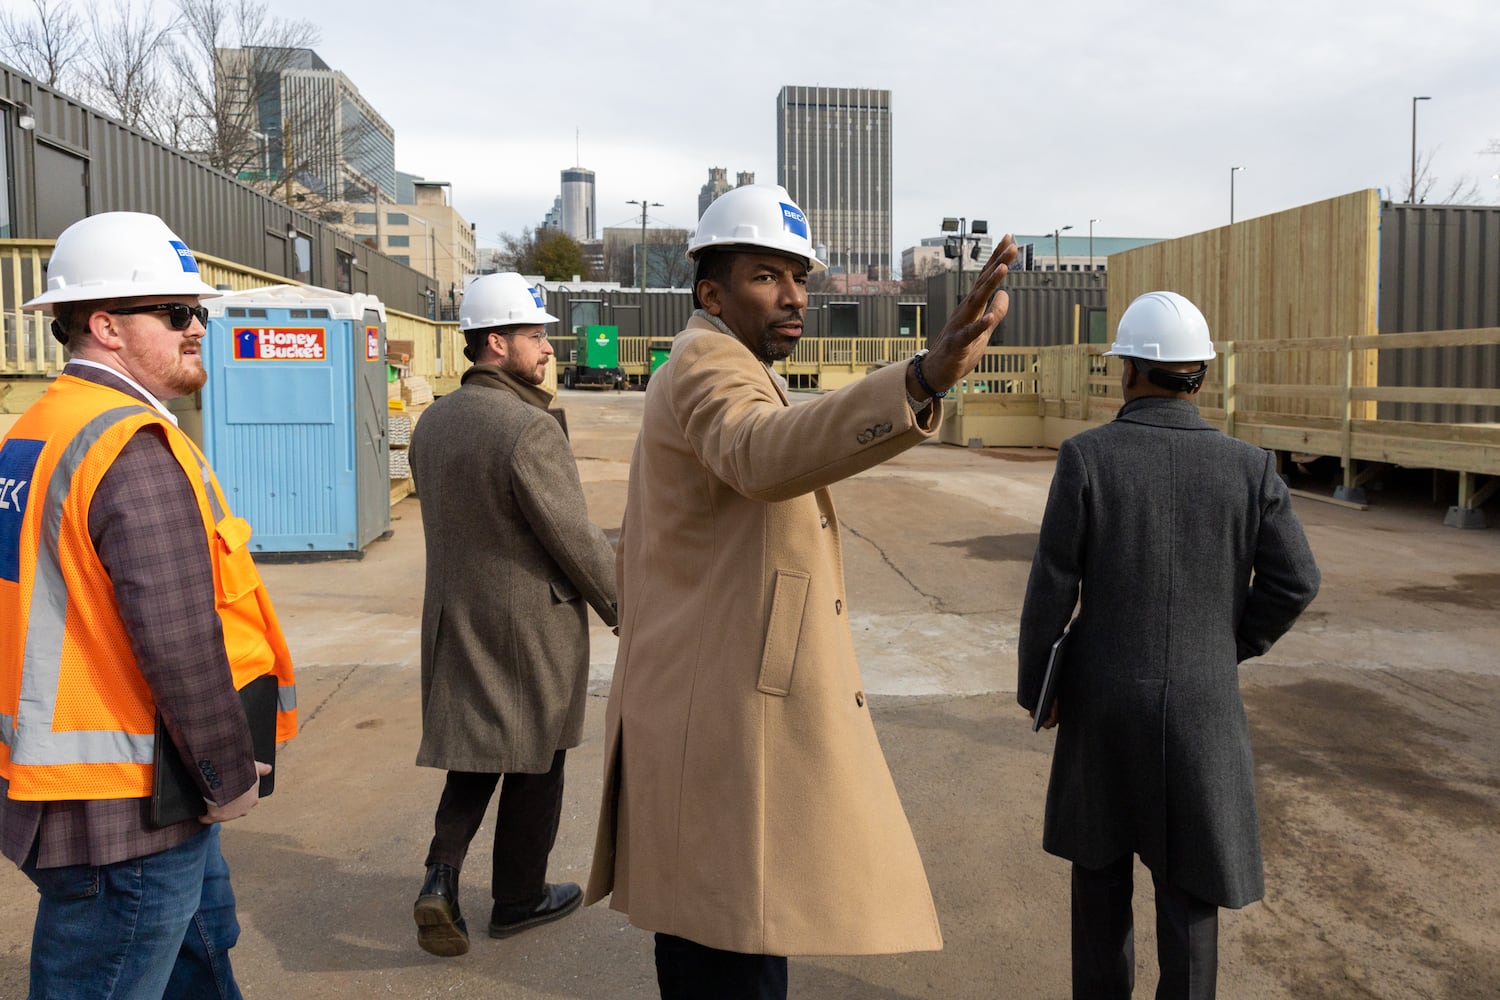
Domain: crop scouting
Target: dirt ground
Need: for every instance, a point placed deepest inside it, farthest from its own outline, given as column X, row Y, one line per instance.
column 1376, row 726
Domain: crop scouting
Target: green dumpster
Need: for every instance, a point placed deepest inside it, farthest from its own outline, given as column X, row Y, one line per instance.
column 659, row 350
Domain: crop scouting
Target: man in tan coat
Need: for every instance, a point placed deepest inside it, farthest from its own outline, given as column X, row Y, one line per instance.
column 748, row 813
column 511, row 561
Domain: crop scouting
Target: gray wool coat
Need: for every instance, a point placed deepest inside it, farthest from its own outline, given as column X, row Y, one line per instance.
column 1181, row 546
column 511, row 560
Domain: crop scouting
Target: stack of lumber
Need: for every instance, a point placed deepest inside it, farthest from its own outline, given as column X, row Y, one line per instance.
column 415, row 391
column 403, row 420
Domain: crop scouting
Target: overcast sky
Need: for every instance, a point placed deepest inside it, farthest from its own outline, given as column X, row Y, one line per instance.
column 1031, row 115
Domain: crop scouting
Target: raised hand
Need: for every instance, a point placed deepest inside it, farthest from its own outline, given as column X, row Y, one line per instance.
column 961, row 344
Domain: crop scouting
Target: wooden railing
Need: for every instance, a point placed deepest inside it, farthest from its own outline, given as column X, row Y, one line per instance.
column 1076, row 384
column 813, row 359
column 28, row 348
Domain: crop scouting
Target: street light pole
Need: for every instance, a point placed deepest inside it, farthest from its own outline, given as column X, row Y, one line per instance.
column 645, row 204
column 1091, row 242
column 1057, row 246
column 963, row 232
column 1411, row 196
column 1232, row 172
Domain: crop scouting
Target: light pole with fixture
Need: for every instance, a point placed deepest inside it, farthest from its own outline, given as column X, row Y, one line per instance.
column 1091, row 242
column 966, row 232
column 645, row 204
column 1057, row 246
column 1411, row 196
column 1232, row 172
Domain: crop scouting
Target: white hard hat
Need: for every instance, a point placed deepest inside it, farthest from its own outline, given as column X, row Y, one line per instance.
column 117, row 255
column 756, row 215
column 502, row 300
column 1163, row 326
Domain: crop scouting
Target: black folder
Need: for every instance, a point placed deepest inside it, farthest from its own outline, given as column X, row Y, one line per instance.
column 1049, row 682
column 175, row 795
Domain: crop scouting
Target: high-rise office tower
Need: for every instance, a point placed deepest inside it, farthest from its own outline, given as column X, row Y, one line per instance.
column 578, row 215
column 299, row 116
column 833, row 154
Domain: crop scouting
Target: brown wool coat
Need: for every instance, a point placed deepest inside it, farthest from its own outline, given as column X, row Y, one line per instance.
column 511, row 560
column 747, row 805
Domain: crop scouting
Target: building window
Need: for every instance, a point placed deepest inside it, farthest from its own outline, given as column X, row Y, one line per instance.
column 397, row 219
column 366, row 218
column 401, row 258
column 302, row 259
column 398, row 241
column 343, row 271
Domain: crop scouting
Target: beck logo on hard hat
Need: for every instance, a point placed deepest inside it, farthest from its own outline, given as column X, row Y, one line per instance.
column 793, row 221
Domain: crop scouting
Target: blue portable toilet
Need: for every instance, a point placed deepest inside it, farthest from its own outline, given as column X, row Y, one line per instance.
column 295, row 420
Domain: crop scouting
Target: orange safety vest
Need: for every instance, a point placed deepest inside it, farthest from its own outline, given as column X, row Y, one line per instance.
column 77, row 720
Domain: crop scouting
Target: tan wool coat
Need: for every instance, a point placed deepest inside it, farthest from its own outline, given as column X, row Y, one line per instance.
column 512, row 561
column 747, row 804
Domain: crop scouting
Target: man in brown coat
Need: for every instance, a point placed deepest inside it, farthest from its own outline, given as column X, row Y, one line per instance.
column 748, row 813
column 511, row 561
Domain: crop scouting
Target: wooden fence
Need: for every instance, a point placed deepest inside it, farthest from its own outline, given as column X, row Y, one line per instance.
column 1022, row 397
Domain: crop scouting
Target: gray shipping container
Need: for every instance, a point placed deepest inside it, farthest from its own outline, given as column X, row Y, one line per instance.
column 1439, row 270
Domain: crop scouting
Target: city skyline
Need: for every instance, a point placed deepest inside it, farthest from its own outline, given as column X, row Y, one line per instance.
column 1030, row 117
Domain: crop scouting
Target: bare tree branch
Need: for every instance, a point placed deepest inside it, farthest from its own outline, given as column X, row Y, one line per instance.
column 124, row 69
column 46, row 47
column 1464, row 190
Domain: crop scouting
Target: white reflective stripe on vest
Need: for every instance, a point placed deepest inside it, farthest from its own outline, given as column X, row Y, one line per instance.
column 34, row 742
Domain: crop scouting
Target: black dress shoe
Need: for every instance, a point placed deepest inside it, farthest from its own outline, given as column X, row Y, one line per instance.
column 557, row 902
column 440, row 927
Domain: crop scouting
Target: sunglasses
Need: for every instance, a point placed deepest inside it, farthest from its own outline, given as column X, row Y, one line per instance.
column 180, row 315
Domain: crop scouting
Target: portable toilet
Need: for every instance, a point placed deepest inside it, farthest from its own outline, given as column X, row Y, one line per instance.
column 295, row 418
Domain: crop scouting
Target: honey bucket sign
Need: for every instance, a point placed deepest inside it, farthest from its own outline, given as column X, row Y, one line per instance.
column 280, row 343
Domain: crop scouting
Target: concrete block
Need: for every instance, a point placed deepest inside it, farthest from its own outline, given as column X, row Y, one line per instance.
column 1351, row 494
column 1465, row 517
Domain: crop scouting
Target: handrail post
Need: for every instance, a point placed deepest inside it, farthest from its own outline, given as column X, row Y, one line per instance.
column 1229, row 374
column 1347, row 445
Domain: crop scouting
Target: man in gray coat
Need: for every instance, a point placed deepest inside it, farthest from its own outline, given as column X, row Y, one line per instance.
column 1183, row 548
column 512, row 559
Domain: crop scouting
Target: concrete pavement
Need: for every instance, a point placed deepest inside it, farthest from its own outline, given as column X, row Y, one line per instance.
column 1376, row 727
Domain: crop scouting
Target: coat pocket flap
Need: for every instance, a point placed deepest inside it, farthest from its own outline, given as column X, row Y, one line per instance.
column 563, row 591
column 237, row 575
column 783, row 632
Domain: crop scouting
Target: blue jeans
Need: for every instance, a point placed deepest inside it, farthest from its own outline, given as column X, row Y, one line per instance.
column 155, row 927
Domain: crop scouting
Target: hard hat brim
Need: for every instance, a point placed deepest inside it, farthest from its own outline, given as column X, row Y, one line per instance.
column 97, row 291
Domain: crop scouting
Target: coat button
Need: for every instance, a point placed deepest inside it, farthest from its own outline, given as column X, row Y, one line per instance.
column 838, row 607
column 859, row 699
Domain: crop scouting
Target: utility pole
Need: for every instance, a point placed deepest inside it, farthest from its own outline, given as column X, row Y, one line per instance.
column 645, row 204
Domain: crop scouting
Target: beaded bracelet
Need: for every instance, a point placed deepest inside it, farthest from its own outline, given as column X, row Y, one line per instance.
column 916, row 364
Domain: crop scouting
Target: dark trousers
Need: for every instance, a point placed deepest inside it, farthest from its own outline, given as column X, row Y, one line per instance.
column 1187, row 937
column 687, row 970
column 525, row 827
